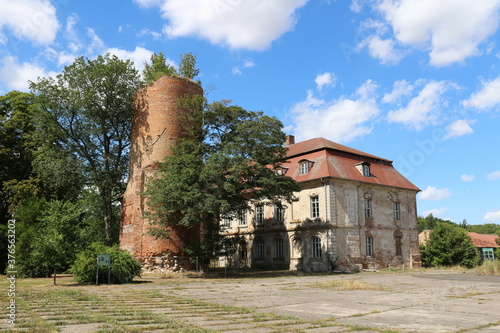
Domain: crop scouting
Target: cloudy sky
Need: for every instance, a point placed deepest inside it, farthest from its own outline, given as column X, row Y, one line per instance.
column 413, row 81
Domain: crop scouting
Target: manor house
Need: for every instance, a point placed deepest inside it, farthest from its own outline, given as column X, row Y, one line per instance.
column 354, row 211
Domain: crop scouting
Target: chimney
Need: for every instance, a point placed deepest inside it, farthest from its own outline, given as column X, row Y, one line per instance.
column 289, row 140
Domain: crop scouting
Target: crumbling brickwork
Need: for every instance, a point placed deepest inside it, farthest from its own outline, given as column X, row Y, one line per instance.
column 157, row 125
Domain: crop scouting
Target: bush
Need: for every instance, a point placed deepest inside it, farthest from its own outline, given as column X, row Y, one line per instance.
column 123, row 266
column 489, row 267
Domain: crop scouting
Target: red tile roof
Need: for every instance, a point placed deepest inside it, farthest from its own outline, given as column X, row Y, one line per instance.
column 334, row 160
column 481, row 240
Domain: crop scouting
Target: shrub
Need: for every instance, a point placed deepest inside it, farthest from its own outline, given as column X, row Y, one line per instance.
column 123, row 266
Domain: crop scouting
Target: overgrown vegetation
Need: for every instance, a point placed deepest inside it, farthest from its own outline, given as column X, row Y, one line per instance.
column 448, row 246
column 122, row 270
column 489, row 267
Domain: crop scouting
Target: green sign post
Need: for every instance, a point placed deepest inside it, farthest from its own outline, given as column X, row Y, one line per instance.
column 103, row 260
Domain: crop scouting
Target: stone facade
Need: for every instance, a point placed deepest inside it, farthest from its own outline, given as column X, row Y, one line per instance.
column 340, row 220
column 156, row 127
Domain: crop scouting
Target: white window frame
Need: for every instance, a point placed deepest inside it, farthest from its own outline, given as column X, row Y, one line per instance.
column 314, row 201
column 304, row 168
column 226, row 221
column 488, row 253
column 242, row 218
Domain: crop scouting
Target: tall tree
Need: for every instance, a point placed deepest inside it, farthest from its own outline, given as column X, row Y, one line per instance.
column 228, row 160
column 157, row 68
column 187, row 66
column 87, row 111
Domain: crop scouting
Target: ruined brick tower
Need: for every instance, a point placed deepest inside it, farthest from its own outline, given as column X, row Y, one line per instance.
column 156, row 128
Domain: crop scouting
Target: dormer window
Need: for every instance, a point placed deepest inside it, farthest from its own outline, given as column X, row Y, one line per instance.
column 281, row 171
column 364, row 168
column 305, row 166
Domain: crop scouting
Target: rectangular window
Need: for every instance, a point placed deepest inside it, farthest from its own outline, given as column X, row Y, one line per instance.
column 242, row 217
column 369, row 246
column 279, row 213
column 368, row 208
column 304, row 168
column 488, row 253
column 315, row 207
column 260, row 248
column 366, row 170
column 397, row 212
column 226, row 221
column 259, row 215
column 399, row 247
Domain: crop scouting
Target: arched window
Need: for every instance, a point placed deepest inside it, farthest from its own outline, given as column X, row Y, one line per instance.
column 279, row 248
column 316, row 247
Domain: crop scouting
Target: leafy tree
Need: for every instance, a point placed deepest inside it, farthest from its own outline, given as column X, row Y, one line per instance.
column 157, row 68
column 187, row 66
column 448, row 246
column 227, row 160
column 87, row 111
column 16, row 154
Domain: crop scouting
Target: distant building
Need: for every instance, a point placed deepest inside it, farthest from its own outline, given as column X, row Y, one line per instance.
column 354, row 211
column 486, row 244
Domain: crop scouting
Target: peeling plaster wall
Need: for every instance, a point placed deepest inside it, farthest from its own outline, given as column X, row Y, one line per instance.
column 342, row 228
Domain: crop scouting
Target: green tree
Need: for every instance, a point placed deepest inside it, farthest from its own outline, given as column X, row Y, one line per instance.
column 87, row 111
column 157, row 68
column 16, row 155
column 228, row 159
column 187, row 66
column 448, row 246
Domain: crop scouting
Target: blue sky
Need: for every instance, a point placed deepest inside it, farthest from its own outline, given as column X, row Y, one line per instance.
column 414, row 81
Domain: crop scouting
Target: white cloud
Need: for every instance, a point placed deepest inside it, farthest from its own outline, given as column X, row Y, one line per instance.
column 459, row 128
column 147, row 32
column 325, row 79
column 238, row 24
column 248, row 63
column 436, row 212
column 434, row 194
column 467, row 178
column 450, row 31
column 384, row 49
column 34, row 20
column 494, row 175
column 15, row 76
column 96, row 45
column 400, row 90
column 341, row 120
column 492, row 216
column 423, row 109
column 487, row 97
column 139, row 55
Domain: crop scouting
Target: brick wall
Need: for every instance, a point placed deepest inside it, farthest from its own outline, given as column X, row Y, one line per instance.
column 157, row 125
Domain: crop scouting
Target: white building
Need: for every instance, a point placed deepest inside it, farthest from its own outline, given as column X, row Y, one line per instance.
column 354, row 211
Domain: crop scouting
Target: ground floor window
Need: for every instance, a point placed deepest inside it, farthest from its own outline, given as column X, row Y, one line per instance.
column 399, row 247
column 259, row 249
column 278, row 248
column 316, row 247
column 488, row 253
column 369, row 246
